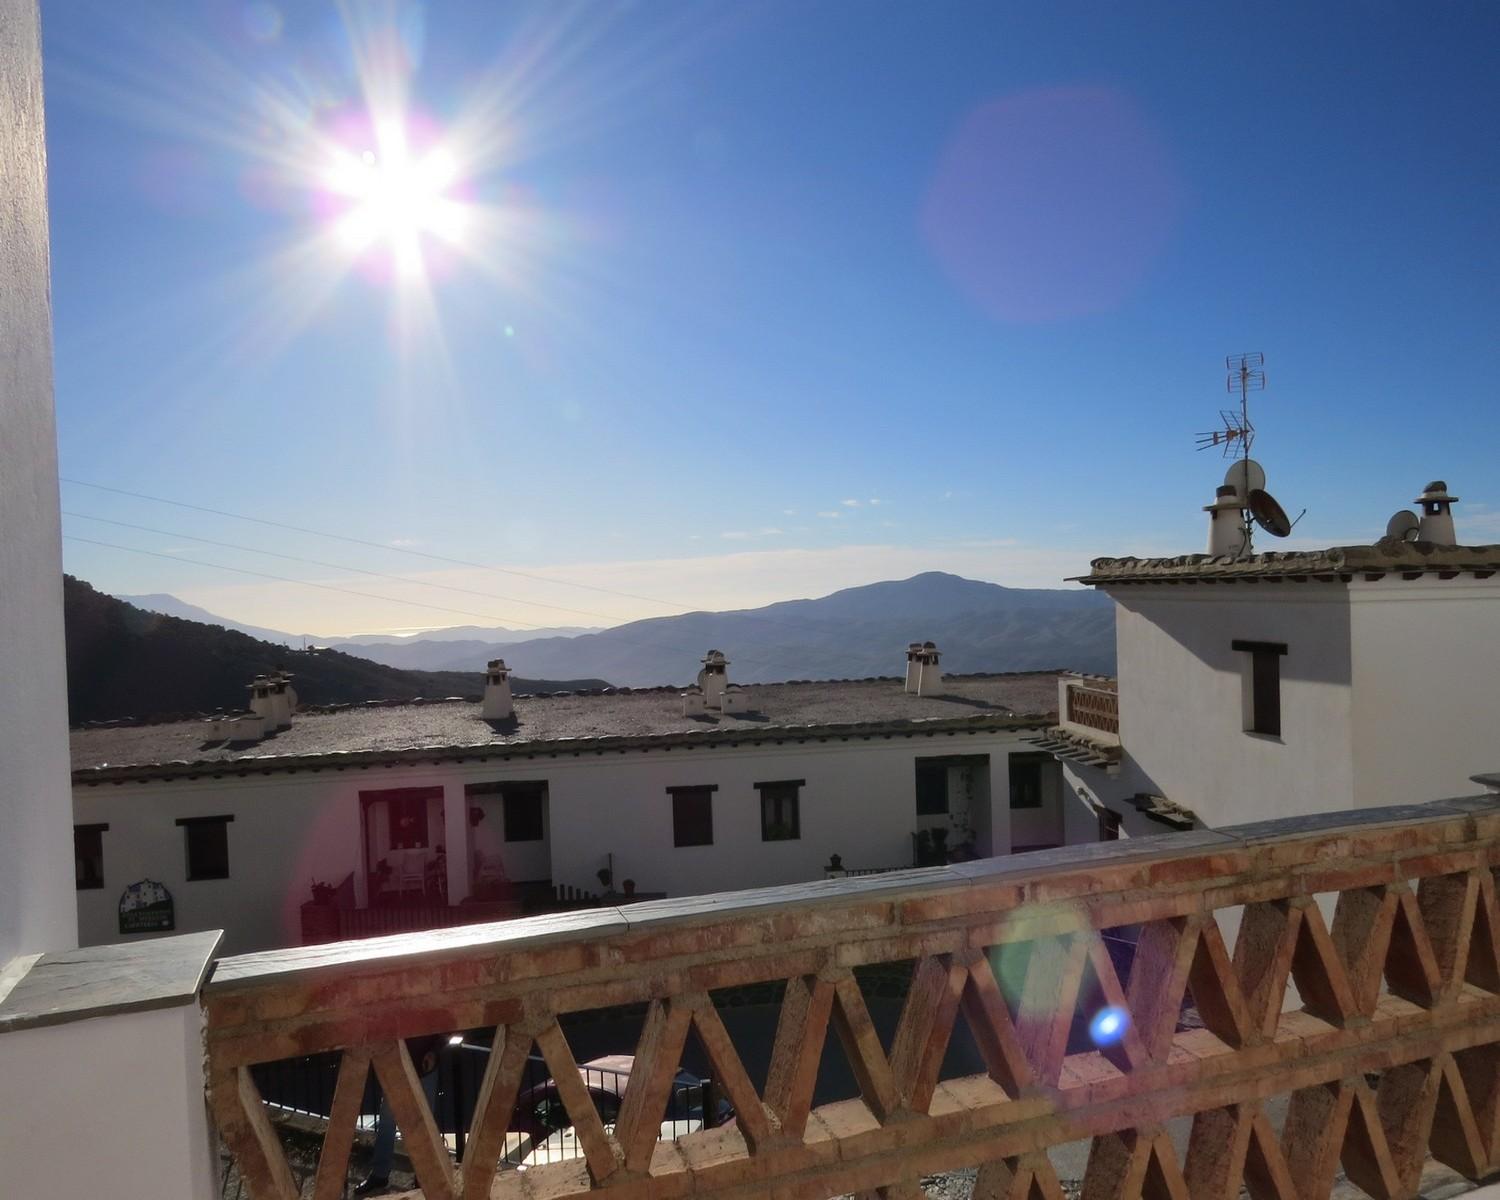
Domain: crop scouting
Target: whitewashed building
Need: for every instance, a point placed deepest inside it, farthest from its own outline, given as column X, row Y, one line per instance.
column 1268, row 685
column 413, row 814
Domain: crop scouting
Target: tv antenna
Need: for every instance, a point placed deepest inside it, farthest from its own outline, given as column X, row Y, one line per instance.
column 1246, row 374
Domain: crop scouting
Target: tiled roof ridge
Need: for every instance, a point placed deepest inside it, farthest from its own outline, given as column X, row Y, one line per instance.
column 606, row 743
column 422, row 701
column 1386, row 555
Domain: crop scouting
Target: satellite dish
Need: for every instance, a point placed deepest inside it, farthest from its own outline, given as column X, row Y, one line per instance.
column 1403, row 526
column 1245, row 476
column 1269, row 515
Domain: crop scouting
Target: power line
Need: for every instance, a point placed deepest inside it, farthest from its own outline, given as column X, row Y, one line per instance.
column 679, row 608
column 325, row 587
column 317, row 562
column 674, row 647
column 458, row 562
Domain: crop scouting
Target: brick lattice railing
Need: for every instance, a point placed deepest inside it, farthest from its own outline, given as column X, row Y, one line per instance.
column 1094, row 708
column 1394, row 1054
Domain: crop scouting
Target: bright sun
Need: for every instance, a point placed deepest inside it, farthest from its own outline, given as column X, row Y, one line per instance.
column 396, row 198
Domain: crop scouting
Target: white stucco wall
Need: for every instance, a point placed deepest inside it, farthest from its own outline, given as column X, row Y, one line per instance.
column 1426, row 656
column 1182, row 708
column 288, row 830
column 859, row 801
column 36, row 893
column 112, row 1106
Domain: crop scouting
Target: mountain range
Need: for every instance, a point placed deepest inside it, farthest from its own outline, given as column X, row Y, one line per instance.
column 171, row 606
column 126, row 662
column 852, row 633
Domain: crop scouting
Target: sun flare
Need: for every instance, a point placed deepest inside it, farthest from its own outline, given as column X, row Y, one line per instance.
column 394, row 197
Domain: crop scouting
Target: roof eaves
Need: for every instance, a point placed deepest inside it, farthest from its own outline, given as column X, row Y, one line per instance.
column 552, row 747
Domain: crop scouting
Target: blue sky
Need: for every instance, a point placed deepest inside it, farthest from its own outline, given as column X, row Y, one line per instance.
column 729, row 269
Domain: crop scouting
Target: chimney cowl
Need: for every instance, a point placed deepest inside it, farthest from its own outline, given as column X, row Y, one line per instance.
column 1436, row 522
column 1436, row 492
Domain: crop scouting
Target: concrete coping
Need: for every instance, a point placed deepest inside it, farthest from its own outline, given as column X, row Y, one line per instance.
column 271, row 967
column 101, row 981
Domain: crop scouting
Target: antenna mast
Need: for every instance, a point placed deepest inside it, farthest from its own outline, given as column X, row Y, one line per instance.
column 1246, row 375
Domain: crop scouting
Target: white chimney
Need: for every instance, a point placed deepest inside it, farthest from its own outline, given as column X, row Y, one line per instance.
column 929, row 674
column 262, row 703
column 497, row 699
column 1226, row 523
column 283, row 701
column 714, row 679
column 1437, row 515
column 913, row 665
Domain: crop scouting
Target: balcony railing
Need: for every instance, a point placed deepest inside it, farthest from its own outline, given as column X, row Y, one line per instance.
column 1094, row 708
column 1391, row 1054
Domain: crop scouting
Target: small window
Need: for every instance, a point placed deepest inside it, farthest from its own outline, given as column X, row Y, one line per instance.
column 1262, row 686
column 523, row 811
column 1109, row 825
column 88, row 856
column 932, row 789
column 693, row 815
column 207, row 846
column 780, row 815
column 1026, row 779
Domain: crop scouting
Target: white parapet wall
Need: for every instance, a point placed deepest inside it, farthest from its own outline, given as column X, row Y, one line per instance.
column 36, row 897
column 103, row 1050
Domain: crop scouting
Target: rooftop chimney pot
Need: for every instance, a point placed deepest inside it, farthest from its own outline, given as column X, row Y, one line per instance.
column 498, row 704
column 1436, row 524
column 714, row 679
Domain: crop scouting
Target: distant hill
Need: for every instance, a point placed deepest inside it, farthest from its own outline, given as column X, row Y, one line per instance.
column 414, row 651
column 126, row 662
column 852, row 633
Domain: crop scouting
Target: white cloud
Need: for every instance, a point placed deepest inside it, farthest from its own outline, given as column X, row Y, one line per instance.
column 740, row 535
column 849, row 503
column 874, row 500
column 788, row 512
column 832, row 516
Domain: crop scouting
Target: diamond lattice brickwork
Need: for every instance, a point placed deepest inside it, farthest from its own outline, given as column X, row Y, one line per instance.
column 1363, row 987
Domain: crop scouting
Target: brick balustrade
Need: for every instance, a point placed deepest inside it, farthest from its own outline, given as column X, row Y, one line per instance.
column 1394, row 1054
column 1095, row 708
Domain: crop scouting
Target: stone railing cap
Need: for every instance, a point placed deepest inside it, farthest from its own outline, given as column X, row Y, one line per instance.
column 273, row 967
column 101, row 981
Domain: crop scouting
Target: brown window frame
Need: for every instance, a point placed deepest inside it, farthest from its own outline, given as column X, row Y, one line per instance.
column 97, row 831
column 1263, row 693
column 691, row 826
column 196, row 828
column 781, row 810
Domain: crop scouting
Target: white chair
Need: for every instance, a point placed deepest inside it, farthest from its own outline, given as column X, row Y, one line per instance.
column 411, row 871
column 489, row 871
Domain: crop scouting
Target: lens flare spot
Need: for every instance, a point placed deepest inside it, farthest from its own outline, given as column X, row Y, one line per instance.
column 1053, row 204
column 1108, row 1025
